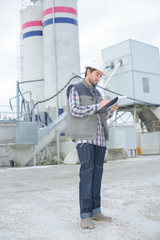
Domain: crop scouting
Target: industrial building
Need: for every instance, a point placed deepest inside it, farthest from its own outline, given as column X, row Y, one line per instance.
column 138, row 77
column 49, row 61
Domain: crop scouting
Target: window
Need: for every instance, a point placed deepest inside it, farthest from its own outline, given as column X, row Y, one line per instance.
column 145, row 82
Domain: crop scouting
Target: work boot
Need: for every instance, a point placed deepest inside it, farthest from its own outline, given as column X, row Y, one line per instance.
column 100, row 217
column 87, row 223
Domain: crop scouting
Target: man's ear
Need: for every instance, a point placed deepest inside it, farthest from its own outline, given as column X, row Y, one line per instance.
column 88, row 71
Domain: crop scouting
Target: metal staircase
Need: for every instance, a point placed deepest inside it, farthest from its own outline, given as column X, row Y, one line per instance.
column 150, row 119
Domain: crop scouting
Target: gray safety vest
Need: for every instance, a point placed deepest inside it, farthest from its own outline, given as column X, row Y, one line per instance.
column 85, row 128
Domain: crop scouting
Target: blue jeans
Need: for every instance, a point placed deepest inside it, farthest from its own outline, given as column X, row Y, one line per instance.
column 91, row 158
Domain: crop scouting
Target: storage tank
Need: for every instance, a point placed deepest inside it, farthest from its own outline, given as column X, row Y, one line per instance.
column 61, row 48
column 50, row 70
column 32, row 52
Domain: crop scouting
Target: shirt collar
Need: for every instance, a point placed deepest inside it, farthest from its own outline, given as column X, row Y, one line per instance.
column 87, row 85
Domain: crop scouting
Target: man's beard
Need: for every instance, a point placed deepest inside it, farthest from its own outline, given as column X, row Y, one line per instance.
column 93, row 83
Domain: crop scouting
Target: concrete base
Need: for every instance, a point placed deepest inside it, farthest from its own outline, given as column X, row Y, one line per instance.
column 116, row 153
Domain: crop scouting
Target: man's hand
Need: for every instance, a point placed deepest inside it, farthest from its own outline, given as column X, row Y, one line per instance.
column 103, row 103
column 115, row 107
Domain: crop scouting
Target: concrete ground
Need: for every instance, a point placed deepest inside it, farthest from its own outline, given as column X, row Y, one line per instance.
column 41, row 203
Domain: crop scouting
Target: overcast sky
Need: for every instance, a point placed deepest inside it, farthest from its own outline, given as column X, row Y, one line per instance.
column 102, row 23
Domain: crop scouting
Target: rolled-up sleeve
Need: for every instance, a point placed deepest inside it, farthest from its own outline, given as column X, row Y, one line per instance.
column 109, row 113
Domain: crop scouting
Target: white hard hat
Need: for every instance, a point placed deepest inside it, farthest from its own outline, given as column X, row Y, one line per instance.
column 98, row 65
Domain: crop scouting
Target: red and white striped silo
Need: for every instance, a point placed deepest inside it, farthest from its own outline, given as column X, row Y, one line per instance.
column 61, row 46
column 50, row 49
column 32, row 52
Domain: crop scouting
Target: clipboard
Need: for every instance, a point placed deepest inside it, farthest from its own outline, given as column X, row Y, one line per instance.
column 110, row 104
column 107, row 106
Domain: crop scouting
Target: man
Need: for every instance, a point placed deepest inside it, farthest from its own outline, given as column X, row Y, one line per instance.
column 89, row 131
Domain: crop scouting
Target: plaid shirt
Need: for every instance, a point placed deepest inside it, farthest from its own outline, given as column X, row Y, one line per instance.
column 77, row 110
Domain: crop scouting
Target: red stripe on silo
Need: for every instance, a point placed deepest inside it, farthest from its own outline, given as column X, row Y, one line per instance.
column 47, row 11
column 65, row 9
column 32, row 24
column 58, row 10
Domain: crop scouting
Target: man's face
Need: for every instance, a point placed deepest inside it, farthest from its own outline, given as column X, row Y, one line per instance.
column 94, row 77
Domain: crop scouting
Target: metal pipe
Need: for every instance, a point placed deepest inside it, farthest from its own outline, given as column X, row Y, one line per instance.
column 57, row 99
column 58, row 146
column 55, row 54
column 100, row 83
column 30, row 81
column 17, row 93
column 113, row 72
column 134, row 115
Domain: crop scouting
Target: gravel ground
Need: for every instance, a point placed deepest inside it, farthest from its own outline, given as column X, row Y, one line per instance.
column 41, row 203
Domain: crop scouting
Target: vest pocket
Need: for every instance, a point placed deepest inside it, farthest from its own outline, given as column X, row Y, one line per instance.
column 87, row 100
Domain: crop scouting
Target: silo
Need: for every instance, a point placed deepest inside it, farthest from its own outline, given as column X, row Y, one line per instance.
column 49, row 54
column 32, row 52
column 61, row 47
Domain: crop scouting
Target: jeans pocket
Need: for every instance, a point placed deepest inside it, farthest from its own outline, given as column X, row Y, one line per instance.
column 83, row 151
